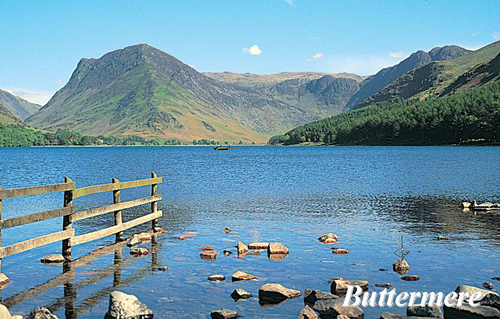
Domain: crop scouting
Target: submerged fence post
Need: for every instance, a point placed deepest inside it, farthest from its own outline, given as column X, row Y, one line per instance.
column 118, row 213
column 154, row 205
column 68, row 201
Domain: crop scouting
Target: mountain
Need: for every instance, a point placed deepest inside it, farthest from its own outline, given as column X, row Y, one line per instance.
column 472, row 116
column 144, row 91
column 7, row 118
column 19, row 107
column 432, row 79
column 256, row 80
column 384, row 77
column 478, row 76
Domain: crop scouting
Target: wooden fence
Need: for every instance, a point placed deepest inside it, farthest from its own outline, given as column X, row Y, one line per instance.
column 70, row 214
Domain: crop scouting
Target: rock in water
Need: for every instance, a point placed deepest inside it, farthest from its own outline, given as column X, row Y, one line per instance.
column 491, row 300
column 275, row 293
column 41, row 313
column 277, row 248
column 210, row 255
column 386, row 286
column 424, row 311
column 240, row 294
column 340, row 251
column 466, row 205
column 311, row 296
column 4, row 312
column 339, row 287
column 388, row 315
column 240, row 275
column 242, row 248
column 411, row 278
column 331, row 238
column 216, row 277
column 224, row 314
column 331, row 308
column 467, row 312
column 257, row 246
column 308, row 313
column 488, row 285
column 470, row 290
column 123, row 306
column 401, row 266
column 138, row 239
column 226, row 230
column 206, row 248
column 52, row 259
column 139, row 252
column 4, row 280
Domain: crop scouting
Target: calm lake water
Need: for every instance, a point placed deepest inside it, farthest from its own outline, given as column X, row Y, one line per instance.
column 368, row 196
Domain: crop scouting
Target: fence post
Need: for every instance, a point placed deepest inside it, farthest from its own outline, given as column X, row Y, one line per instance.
column 154, row 205
column 0, row 230
column 68, row 201
column 118, row 213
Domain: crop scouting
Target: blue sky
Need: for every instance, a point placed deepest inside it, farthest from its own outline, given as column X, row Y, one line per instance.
column 41, row 42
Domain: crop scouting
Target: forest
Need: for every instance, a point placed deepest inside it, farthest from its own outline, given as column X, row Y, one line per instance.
column 472, row 117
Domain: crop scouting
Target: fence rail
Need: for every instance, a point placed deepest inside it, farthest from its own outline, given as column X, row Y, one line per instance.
column 70, row 214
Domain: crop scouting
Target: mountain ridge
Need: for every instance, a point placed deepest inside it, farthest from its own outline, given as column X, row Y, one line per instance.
column 19, row 107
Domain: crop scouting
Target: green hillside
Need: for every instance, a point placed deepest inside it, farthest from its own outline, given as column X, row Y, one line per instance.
column 18, row 106
column 469, row 117
column 7, row 118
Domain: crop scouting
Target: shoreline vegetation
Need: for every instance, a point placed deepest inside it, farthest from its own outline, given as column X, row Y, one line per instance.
column 472, row 117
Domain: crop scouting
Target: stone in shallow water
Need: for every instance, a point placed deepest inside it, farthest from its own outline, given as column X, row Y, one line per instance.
column 52, row 259
column 386, row 285
column 206, row 248
column 41, row 313
column 467, row 312
column 242, row 248
column 162, row 268
column 411, row 278
column 277, row 248
column 124, row 306
column 331, row 308
column 311, row 296
column 4, row 280
column 240, row 275
column 139, row 239
column 216, row 277
column 339, row 287
column 401, row 266
column 307, row 313
column 210, row 255
column 488, row 285
column 491, row 300
column 333, row 238
column 257, row 246
column 240, row 294
column 340, row 251
column 275, row 293
column 224, row 314
column 424, row 311
column 226, row 230
column 139, row 252
column 388, row 315
column 471, row 290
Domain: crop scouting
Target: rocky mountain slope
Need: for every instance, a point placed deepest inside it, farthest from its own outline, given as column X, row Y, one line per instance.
column 142, row 90
column 376, row 83
column 7, row 118
column 18, row 106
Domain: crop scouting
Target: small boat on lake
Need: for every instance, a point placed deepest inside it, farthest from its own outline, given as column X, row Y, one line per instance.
column 222, row 148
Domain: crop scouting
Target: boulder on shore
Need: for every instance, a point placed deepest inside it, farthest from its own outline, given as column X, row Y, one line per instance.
column 52, row 259
column 224, row 314
column 491, row 300
column 339, row 287
column 41, row 313
column 424, row 311
column 307, row 313
column 122, row 305
column 276, row 293
column 311, row 296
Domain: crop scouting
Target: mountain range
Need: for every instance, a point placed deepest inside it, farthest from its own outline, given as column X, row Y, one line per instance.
column 18, row 106
column 140, row 90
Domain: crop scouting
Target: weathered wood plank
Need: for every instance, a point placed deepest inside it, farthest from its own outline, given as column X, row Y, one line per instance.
column 154, row 205
column 68, row 202
column 114, row 207
column 35, row 243
column 118, row 213
column 77, row 240
column 36, row 217
column 35, row 190
column 84, row 191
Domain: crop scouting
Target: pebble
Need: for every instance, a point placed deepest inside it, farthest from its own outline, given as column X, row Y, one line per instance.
column 386, row 286
column 206, row 248
column 411, row 278
column 139, row 251
column 340, row 251
column 488, row 285
column 227, row 252
column 162, row 268
column 226, row 230
column 442, row 238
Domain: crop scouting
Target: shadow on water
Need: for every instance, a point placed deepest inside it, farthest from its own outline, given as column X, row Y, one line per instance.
column 72, row 283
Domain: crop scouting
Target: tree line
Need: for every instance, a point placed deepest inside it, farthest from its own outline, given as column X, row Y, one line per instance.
column 469, row 117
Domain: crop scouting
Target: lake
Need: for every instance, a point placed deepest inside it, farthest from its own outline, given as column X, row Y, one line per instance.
column 368, row 196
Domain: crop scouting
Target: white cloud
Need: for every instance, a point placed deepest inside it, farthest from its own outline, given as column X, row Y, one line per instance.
column 495, row 35
column 33, row 96
column 318, row 56
column 253, row 50
column 397, row 55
